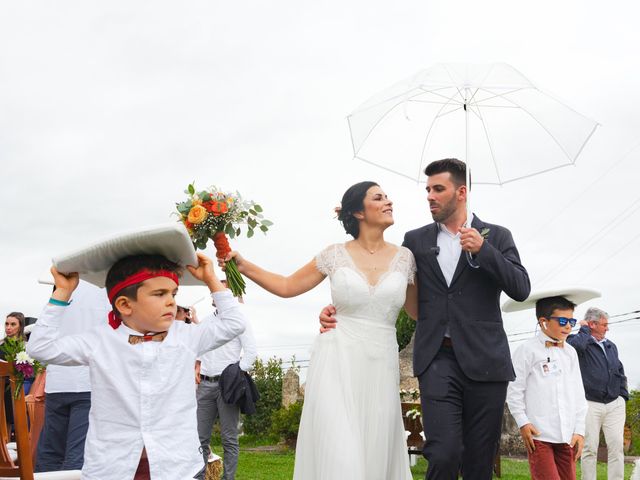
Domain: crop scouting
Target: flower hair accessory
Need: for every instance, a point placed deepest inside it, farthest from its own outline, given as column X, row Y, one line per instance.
column 337, row 210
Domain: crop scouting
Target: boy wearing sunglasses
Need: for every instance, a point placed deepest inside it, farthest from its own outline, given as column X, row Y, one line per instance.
column 547, row 398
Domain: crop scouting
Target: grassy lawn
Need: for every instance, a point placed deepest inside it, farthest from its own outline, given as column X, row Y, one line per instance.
column 278, row 465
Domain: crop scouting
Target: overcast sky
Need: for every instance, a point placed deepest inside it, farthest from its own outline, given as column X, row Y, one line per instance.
column 109, row 109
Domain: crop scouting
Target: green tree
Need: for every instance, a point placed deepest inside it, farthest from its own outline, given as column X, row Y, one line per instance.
column 285, row 423
column 405, row 327
column 268, row 379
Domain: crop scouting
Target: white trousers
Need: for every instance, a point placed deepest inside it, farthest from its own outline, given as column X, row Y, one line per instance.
column 610, row 419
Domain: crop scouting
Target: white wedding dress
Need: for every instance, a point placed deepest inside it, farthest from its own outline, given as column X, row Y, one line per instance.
column 351, row 426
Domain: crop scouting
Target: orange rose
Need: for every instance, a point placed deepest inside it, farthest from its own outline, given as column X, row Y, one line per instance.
column 218, row 208
column 209, row 205
column 197, row 214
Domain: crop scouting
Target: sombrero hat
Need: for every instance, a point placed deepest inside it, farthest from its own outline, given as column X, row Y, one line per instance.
column 93, row 261
column 576, row 295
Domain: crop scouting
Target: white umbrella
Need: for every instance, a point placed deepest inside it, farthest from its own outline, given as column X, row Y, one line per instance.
column 491, row 116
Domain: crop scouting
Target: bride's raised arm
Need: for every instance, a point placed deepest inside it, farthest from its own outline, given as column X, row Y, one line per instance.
column 297, row 283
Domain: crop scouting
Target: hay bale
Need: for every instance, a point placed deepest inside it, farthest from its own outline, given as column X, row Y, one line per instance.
column 214, row 468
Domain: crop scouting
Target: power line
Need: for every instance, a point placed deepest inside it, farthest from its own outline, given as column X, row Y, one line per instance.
column 271, row 347
column 298, row 362
column 611, row 256
column 624, row 314
column 542, row 227
column 610, row 323
column 595, row 238
column 534, row 331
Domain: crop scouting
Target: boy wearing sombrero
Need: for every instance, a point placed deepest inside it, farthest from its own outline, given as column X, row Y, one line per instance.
column 143, row 412
column 547, row 397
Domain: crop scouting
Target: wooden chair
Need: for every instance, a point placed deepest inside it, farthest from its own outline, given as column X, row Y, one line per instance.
column 35, row 411
column 22, row 466
column 413, row 425
column 20, row 463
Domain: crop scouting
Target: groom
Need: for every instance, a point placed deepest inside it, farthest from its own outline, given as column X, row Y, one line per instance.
column 461, row 354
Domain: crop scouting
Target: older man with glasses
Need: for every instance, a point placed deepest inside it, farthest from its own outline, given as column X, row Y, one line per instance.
column 605, row 386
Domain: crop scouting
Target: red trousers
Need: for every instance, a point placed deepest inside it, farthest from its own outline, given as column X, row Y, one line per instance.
column 552, row 461
column 143, row 473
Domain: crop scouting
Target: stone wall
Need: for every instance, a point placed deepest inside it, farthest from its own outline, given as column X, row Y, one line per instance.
column 511, row 443
column 291, row 388
column 407, row 380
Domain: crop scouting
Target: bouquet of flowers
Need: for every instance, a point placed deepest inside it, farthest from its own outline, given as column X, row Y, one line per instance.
column 24, row 366
column 214, row 214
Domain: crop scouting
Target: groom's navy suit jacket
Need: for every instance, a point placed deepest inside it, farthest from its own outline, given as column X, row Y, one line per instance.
column 470, row 306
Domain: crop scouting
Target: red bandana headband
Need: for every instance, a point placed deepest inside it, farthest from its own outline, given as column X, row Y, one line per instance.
column 141, row 276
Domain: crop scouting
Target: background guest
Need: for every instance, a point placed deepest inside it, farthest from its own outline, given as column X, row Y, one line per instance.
column 605, row 386
column 13, row 328
column 14, row 325
column 211, row 405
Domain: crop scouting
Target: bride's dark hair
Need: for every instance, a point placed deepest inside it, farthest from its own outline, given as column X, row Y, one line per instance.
column 352, row 202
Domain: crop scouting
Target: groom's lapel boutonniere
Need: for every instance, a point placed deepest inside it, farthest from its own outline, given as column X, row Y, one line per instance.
column 484, row 233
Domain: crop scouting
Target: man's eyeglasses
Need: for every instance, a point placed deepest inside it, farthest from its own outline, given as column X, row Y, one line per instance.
column 564, row 320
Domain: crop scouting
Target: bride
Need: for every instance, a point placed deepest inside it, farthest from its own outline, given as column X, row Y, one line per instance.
column 351, row 425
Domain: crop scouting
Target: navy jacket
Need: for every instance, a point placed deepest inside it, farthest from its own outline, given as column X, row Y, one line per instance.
column 603, row 376
column 470, row 306
column 237, row 387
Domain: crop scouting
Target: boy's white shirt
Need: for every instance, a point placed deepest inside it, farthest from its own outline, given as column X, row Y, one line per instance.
column 555, row 402
column 143, row 395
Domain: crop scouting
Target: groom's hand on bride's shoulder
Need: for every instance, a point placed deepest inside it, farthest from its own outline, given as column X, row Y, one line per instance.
column 327, row 319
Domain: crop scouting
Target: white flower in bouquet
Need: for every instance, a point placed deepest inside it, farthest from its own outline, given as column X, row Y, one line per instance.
column 22, row 357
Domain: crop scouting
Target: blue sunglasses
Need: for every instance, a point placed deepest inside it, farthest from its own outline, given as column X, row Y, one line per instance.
column 564, row 320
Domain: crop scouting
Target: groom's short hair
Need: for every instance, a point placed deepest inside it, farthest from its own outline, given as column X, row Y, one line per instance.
column 456, row 168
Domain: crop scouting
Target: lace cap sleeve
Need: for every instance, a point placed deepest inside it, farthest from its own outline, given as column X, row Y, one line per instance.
column 408, row 264
column 326, row 260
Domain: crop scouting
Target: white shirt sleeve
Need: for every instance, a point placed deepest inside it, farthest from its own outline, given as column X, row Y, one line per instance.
column 229, row 323
column 47, row 346
column 516, row 388
column 249, row 348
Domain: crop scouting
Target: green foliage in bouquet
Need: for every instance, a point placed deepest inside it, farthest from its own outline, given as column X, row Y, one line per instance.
column 24, row 366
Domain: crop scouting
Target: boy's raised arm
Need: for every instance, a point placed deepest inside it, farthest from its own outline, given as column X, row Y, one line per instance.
column 44, row 344
column 230, row 321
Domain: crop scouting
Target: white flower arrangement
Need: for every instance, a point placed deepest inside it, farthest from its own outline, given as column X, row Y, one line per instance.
column 414, row 413
column 23, row 357
column 409, row 395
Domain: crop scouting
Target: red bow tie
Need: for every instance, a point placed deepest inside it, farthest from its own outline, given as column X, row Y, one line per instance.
column 157, row 337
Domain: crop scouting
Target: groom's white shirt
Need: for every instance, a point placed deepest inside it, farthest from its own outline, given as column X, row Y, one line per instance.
column 449, row 254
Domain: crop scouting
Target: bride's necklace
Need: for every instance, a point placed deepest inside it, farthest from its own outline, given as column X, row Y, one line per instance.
column 370, row 251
